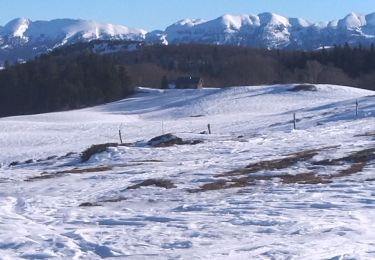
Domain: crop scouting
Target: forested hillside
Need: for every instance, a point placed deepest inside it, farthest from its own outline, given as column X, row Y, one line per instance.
column 56, row 82
column 222, row 66
column 78, row 75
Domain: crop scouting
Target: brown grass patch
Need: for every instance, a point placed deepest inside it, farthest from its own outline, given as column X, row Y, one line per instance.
column 303, row 178
column 94, row 149
column 358, row 160
column 355, row 157
column 269, row 165
column 98, row 203
column 367, row 134
column 276, row 164
column 45, row 176
column 353, row 169
column 161, row 183
column 89, row 204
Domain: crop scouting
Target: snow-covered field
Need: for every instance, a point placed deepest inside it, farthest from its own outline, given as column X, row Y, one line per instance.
column 253, row 189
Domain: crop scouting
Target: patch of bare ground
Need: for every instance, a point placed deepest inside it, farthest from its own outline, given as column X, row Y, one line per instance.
column 361, row 156
column 44, row 176
column 169, row 139
column 161, row 183
column 95, row 149
column 303, row 178
column 146, row 161
column 353, row 169
column 367, row 134
column 98, row 203
column 89, row 204
column 357, row 160
column 277, row 164
column 269, row 165
column 99, row 148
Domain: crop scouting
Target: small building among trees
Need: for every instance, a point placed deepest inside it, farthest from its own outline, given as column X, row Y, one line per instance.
column 188, row 82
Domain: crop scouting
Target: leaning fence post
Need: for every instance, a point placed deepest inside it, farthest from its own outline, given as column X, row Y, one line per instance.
column 209, row 128
column 119, row 134
column 294, row 121
column 356, row 108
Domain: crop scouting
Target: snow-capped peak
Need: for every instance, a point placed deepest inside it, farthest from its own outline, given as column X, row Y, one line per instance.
column 299, row 22
column 231, row 21
column 272, row 19
column 352, row 21
column 190, row 22
column 16, row 27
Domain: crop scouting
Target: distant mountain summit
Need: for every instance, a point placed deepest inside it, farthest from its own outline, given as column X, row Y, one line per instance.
column 269, row 30
column 22, row 38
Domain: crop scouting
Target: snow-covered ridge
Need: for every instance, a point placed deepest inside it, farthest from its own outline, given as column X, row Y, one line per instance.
column 269, row 30
column 66, row 29
column 22, row 38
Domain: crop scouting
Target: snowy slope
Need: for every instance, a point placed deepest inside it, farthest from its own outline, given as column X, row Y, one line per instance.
column 269, row 218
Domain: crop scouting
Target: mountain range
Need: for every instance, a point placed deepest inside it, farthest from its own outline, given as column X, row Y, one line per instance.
column 22, row 39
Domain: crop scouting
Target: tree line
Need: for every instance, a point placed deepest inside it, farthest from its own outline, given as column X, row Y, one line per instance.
column 55, row 82
column 223, row 66
column 75, row 76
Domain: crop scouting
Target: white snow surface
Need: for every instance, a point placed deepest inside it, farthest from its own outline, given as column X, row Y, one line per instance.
column 42, row 219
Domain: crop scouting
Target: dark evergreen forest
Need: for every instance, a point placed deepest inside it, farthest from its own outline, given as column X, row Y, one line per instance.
column 75, row 76
column 55, row 82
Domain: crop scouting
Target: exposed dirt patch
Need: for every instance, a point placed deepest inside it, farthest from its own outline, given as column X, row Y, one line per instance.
column 98, row 203
column 45, row 176
column 161, row 183
column 367, row 134
column 275, row 164
column 353, row 169
column 89, row 204
column 146, row 161
column 170, row 140
column 49, row 158
column 304, row 178
column 116, row 199
column 269, row 165
column 357, row 160
column 94, row 149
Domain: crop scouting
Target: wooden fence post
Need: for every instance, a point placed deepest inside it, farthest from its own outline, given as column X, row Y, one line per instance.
column 209, row 128
column 119, row 134
column 356, row 108
column 294, row 121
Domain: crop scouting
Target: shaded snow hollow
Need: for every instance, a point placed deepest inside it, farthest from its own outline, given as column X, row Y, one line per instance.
column 139, row 201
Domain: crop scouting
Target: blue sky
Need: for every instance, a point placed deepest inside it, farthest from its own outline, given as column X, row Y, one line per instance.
column 157, row 14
